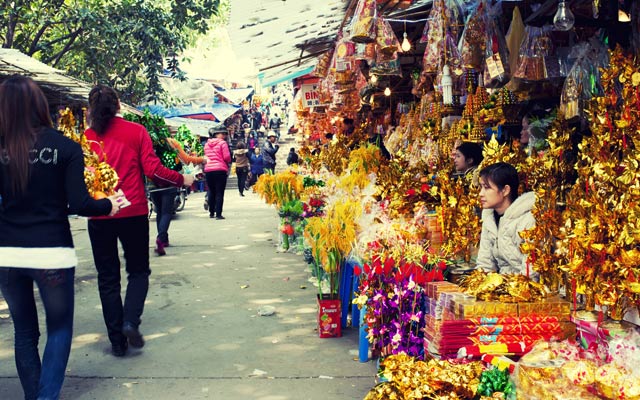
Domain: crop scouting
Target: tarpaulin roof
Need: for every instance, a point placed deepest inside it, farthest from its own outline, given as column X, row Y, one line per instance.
column 61, row 90
column 196, row 126
column 235, row 96
column 219, row 111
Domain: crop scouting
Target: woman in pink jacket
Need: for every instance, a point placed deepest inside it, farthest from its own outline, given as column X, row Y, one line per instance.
column 216, row 170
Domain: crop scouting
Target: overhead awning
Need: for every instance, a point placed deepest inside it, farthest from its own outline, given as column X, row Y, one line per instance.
column 284, row 37
column 286, row 75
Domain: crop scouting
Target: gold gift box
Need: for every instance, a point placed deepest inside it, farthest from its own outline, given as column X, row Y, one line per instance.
column 552, row 307
column 477, row 309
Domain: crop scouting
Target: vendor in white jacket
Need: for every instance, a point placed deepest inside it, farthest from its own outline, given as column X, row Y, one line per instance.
column 504, row 215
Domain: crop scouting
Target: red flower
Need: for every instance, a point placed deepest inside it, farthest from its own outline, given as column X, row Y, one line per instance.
column 388, row 265
column 438, row 276
column 367, row 269
column 424, row 260
column 421, row 277
column 357, row 270
column 287, row 229
column 411, row 192
column 442, row 265
column 429, row 276
column 424, row 188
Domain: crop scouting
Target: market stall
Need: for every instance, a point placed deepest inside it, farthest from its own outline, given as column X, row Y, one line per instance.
column 551, row 91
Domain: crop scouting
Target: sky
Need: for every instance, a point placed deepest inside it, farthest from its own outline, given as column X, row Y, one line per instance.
column 213, row 58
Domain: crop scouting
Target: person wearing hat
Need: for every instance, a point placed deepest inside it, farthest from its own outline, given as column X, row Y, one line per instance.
column 216, row 171
column 269, row 150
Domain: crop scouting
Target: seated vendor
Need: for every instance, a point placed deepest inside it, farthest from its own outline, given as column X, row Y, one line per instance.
column 466, row 159
column 504, row 215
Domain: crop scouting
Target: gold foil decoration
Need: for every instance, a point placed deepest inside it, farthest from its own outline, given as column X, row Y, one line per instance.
column 101, row 179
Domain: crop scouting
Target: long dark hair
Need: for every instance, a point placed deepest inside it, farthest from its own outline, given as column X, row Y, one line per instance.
column 24, row 112
column 103, row 106
column 502, row 174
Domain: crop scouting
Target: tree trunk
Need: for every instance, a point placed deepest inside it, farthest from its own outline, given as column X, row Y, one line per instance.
column 11, row 29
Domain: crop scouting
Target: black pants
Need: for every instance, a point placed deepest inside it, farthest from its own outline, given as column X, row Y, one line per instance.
column 242, row 178
column 217, row 182
column 133, row 233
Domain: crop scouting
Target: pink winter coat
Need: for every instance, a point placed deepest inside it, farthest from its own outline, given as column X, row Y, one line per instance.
column 218, row 155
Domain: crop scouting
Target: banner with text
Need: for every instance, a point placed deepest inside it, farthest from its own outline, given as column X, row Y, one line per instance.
column 310, row 95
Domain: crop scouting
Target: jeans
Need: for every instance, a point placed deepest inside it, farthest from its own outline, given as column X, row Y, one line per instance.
column 242, row 178
column 133, row 233
column 40, row 380
column 217, row 182
column 163, row 203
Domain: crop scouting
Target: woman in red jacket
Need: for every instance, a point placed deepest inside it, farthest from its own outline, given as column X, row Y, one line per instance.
column 129, row 151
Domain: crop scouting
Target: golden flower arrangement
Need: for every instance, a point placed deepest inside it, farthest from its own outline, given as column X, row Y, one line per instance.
column 407, row 188
column 333, row 236
column 412, row 379
column 459, row 206
column 334, row 155
column 507, row 288
column 279, row 188
column 601, row 230
column 99, row 177
column 548, row 175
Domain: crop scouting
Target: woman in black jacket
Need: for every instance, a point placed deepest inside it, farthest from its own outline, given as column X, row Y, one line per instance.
column 41, row 183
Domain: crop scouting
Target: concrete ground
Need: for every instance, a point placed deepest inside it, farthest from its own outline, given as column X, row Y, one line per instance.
column 204, row 337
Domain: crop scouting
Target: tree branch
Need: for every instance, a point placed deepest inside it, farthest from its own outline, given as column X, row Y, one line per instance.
column 71, row 36
column 34, row 43
column 66, row 48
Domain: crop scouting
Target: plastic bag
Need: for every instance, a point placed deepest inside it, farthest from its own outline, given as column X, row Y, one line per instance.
column 453, row 11
column 363, row 28
column 387, row 41
column 386, row 64
column 583, row 80
column 473, row 42
column 536, row 59
column 365, row 51
column 496, row 56
column 433, row 36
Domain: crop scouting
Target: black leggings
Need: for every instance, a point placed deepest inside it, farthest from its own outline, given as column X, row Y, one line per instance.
column 217, row 182
column 242, row 178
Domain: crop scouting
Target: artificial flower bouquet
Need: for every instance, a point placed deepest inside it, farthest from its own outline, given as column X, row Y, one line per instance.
column 291, row 224
column 100, row 178
column 331, row 238
column 279, row 188
column 392, row 287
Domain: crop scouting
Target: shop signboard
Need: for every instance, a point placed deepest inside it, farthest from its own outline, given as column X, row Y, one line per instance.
column 310, row 95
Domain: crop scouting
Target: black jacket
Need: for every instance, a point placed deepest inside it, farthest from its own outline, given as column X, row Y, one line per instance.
column 39, row 217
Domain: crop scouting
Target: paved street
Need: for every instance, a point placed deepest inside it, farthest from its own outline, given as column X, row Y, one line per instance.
column 204, row 337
